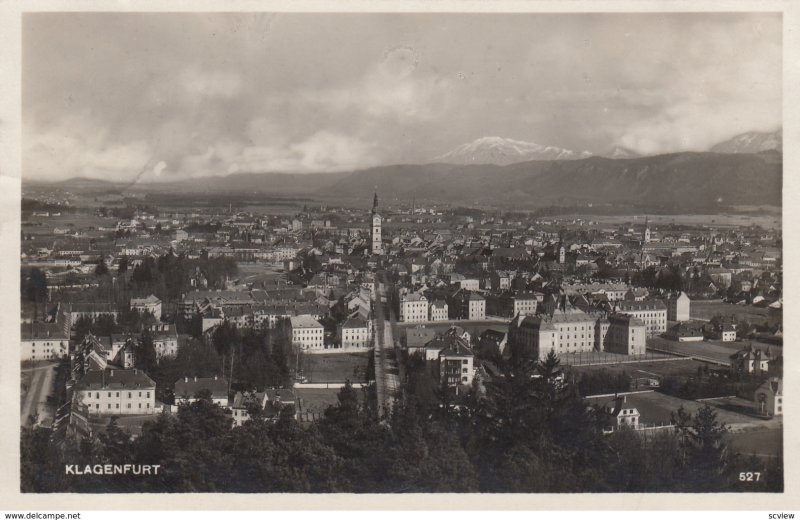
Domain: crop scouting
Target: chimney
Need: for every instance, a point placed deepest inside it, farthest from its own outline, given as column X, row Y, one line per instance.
column 185, row 379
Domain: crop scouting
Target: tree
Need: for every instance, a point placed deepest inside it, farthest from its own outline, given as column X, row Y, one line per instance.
column 705, row 452
column 101, row 269
column 122, row 268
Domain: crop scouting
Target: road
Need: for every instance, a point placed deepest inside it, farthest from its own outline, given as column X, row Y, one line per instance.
column 387, row 380
column 35, row 399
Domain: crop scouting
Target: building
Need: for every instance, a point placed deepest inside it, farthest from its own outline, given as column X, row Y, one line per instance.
column 727, row 332
column 678, row 307
column 474, row 306
column 354, row 334
column 413, row 308
column 376, row 244
column 623, row 415
column 751, row 361
column 625, row 335
column 652, row 312
column 769, row 397
column 150, row 304
column 43, row 341
column 439, row 311
column 686, row 332
column 456, row 362
column 307, row 332
column 188, row 388
column 509, row 305
column 417, row 337
column 115, row 391
column 531, row 337
column 165, row 340
column 575, row 328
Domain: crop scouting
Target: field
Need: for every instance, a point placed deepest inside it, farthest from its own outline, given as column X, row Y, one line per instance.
column 764, row 219
column 716, row 351
column 704, row 310
column 682, row 367
column 763, row 442
column 335, row 368
column 657, row 408
column 71, row 221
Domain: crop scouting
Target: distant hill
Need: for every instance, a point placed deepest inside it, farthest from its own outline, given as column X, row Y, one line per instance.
column 501, row 151
column 692, row 180
column 751, row 142
column 696, row 181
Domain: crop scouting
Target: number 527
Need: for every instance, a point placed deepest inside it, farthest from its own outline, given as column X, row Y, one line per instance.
column 749, row 476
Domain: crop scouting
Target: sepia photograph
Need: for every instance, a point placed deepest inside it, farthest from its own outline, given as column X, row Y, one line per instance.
column 409, row 252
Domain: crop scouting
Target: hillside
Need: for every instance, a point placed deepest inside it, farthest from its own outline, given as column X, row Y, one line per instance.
column 695, row 180
column 692, row 181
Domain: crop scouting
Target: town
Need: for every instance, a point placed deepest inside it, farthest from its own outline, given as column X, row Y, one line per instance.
column 395, row 330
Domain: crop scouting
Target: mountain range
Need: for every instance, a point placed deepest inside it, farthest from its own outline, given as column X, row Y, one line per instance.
column 751, row 142
column 501, row 151
column 728, row 175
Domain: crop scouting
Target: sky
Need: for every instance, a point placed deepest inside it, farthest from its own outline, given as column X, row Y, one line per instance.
column 159, row 97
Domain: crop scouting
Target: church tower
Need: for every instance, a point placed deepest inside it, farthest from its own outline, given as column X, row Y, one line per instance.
column 375, row 231
column 646, row 237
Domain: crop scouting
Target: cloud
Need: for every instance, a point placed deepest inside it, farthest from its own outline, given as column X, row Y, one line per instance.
column 180, row 96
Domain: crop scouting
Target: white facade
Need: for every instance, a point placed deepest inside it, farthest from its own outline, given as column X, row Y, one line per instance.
column 40, row 345
column 439, row 311
column 116, row 392
column 307, row 333
column 678, row 307
column 377, row 244
column 414, row 308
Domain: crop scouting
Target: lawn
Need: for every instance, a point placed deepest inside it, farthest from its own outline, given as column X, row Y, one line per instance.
column 335, row 368
column 761, row 441
column 704, row 310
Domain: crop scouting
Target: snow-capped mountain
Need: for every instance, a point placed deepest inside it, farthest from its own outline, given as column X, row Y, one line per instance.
column 751, row 142
column 620, row 152
column 501, row 151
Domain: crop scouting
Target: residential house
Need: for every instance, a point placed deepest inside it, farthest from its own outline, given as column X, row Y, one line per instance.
column 187, row 389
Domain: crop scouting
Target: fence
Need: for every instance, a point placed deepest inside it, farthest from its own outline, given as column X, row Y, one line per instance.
column 578, row 359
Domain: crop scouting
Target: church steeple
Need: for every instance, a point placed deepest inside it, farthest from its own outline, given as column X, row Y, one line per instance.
column 375, row 230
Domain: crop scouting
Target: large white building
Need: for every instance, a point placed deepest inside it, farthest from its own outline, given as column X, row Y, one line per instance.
column 307, row 333
column 625, row 335
column 43, row 341
column 652, row 312
column 355, row 334
column 115, row 391
column 413, row 308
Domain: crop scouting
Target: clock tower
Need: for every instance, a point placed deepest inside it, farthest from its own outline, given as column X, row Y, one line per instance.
column 375, row 231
